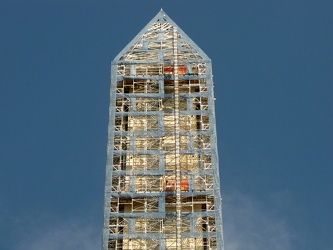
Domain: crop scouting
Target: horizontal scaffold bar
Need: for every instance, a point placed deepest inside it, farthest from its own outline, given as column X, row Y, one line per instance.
column 161, row 236
column 159, row 172
column 128, row 62
column 159, row 215
column 162, row 193
column 159, row 152
column 161, row 133
column 156, row 95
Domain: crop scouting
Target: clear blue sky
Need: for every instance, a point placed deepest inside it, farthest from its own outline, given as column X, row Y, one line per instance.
column 273, row 73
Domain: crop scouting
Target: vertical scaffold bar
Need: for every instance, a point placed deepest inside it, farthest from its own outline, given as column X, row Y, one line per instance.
column 177, row 141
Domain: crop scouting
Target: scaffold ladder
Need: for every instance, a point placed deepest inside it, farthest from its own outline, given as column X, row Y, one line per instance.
column 177, row 141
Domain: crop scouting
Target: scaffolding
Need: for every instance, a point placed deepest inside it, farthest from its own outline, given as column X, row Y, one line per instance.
column 162, row 176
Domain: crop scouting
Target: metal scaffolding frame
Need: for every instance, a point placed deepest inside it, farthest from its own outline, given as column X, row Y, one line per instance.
column 162, row 186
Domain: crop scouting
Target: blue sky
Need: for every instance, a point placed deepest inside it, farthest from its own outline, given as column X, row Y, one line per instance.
column 273, row 71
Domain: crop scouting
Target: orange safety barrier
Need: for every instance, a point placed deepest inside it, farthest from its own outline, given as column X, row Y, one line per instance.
column 184, row 186
column 181, row 70
column 170, row 184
